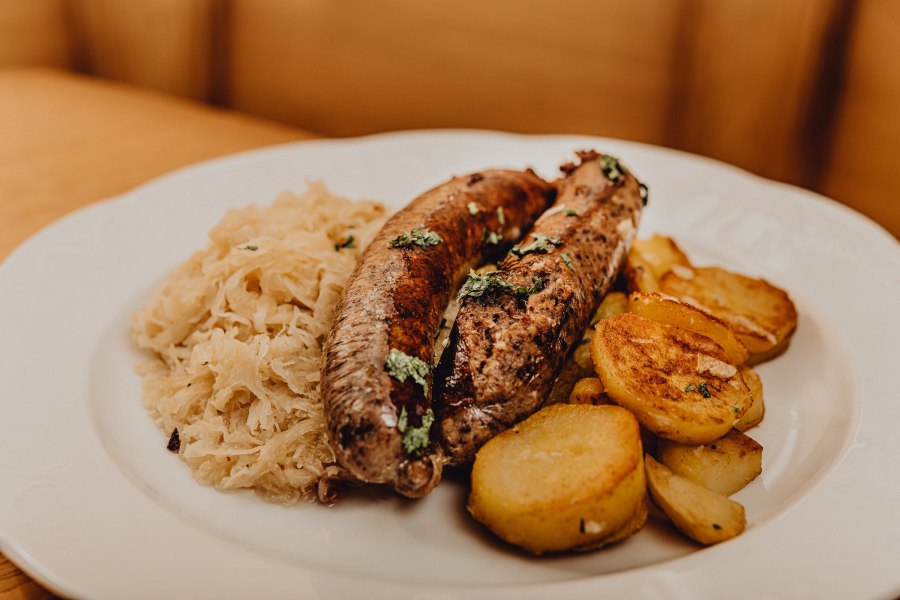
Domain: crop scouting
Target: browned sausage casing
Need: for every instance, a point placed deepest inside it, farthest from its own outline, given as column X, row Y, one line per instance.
column 394, row 300
column 505, row 351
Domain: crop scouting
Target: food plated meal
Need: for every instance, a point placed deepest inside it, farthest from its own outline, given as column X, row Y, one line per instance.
column 240, row 330
column 86, row 471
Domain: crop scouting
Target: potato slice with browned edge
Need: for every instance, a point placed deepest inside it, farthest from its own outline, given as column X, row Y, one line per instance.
column 568, row 477
column 576, row 368
column 589, row 391
column 679, row 384
column 762, row 315
column 757, row 410
column 674, row 312
column 648, row 260
column 724, row 466
column 614, row 303
column 661, row 253
column 702, row 515
column 579, row 365
column 637, row 274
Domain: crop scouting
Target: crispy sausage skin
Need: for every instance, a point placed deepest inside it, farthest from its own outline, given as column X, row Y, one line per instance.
column 507, row 348
column 394, row 300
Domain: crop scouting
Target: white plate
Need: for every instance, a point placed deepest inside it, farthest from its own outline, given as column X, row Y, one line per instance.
column 93, row 506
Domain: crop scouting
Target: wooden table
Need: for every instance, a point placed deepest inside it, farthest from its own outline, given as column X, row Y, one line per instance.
column 68, row 141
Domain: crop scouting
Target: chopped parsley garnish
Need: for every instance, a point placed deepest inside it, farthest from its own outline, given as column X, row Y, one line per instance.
column 478, row 285
column 415, row 439
column 348, row 243
column 501, row 218
column 699, row 388
column 541, row 243
column 402, row 367
column 568, row 261
column 473, row 208
column 612, row 168
column 571, row 212
column 737, row 410
column 250, row 247
column 537, row 284
column 717, row 527
column 581, row 526
column 420, row 236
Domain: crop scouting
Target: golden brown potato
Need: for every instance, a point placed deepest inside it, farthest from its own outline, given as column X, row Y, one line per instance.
column 680, row 314
column 702, row 515
column 614, row 303
column 757, row 410
column 661, row 253
column 579, row 365
column 648, row 260
column 723, row 466
column 582, row 357
column 576, row 368
column 762, row 315
column 637, row 274
column 568, row 477
column 589, row 391
column 679, row 384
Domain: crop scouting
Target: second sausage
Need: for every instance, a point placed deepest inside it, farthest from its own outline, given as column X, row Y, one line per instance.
column 516, row 326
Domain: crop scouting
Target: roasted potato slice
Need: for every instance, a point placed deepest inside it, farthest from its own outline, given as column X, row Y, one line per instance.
column 661, row 253
column 637, row 274
column 576, row 368
column 589, row 391
column 582, row 357
column 723, row 466
column 674, row 312
column 579, row 365
column 701, row 514
column 648, row 260
column 568, row 477
column 614, row 303
column 757, row 410
column 762, row 315
column 679, row 384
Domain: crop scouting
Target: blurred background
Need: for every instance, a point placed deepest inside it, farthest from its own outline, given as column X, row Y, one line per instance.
column 802, row 91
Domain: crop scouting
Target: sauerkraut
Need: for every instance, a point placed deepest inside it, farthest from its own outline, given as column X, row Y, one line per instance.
column 236, row 334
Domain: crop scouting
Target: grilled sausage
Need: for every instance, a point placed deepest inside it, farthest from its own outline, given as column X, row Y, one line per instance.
column 377, row 358
column 510, row 341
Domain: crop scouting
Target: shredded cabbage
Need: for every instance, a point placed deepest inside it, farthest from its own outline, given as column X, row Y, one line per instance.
column 237, row 332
